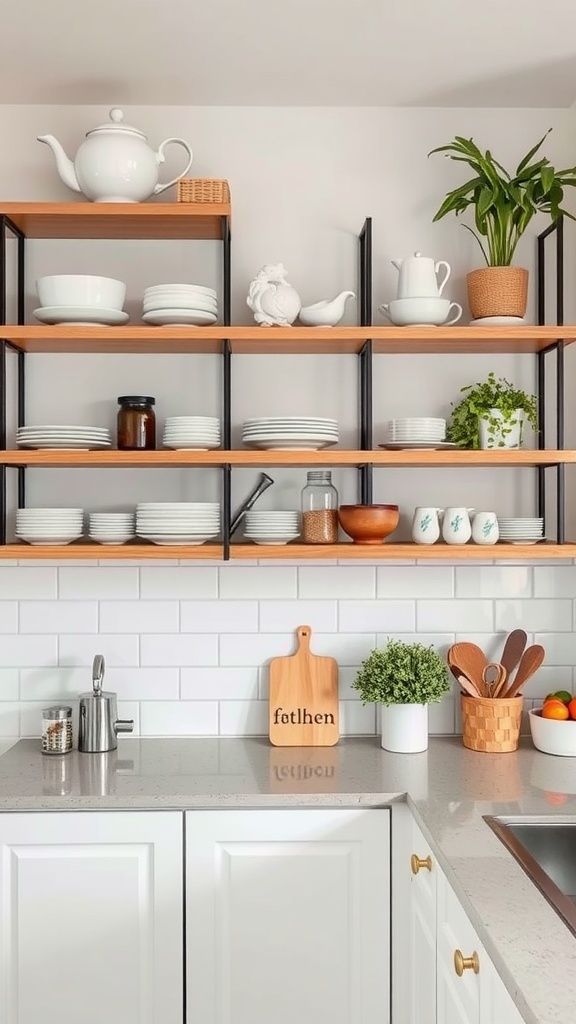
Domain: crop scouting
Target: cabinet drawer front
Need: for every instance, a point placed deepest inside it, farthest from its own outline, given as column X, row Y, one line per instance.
column 458, row 998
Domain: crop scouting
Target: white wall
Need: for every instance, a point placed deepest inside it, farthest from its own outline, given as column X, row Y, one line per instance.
column 302, row 182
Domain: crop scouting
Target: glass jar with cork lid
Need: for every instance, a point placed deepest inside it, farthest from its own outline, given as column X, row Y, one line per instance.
column 319, row 509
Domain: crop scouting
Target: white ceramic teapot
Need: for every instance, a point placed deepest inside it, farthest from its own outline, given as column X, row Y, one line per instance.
column 418, row 277
column 115, row 164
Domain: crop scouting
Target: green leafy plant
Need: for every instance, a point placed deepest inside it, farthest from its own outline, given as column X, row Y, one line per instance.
column 402, row 674
column 504, row 204
column 480, row 399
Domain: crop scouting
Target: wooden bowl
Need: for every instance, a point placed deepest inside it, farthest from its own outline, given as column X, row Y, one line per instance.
column 368, row 524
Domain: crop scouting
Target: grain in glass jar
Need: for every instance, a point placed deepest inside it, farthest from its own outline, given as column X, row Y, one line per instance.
column 136, row 423
column 319, row 509
column 56, row 730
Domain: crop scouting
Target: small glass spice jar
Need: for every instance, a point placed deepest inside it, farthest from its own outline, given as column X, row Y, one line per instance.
column 136, row 423
column 56, row 730
column 319, row 509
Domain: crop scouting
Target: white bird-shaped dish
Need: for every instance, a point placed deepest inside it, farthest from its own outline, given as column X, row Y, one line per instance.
column 327, row 312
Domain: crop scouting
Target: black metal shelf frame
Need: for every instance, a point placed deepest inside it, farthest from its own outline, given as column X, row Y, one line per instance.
column 556, row 348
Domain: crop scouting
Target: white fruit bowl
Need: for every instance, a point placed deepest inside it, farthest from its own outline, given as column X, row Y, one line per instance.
column 81, row 290
column 551, row 736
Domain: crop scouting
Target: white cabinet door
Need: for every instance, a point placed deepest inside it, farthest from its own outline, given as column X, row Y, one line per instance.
column 421, row 978
column 458, row 998
column 287, row 916
column 496, row 1003
column 91, row 918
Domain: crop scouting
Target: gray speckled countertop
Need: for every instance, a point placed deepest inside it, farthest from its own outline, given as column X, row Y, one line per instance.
column 449, row 789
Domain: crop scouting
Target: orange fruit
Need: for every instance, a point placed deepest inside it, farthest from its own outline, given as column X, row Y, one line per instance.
column 555, row 709
column 556, row 799
column 572, row 708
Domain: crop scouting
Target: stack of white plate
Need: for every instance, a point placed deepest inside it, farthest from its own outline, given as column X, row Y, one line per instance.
column 63, row 437
column 416, row 432
column 112, row 527
column 186, row 304
column 521, row 530
column 197, row 433
column 50, row 526
column 272, row 527
column 290, row 433
column 178, row 522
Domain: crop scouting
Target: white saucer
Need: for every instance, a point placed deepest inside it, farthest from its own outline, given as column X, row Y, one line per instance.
column 498, row 321
column 87, row 316
column 185, row 317
column 397, row 446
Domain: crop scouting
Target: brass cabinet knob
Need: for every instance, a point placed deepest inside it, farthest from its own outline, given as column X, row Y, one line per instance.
column 465, row 963
column 417, row 862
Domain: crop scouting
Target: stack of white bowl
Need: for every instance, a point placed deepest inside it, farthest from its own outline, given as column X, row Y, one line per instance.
column 63, row 437
column 196, row 433
column 178, row 522
column 415, row 431
column 521, row 530
column 112, row 527
column 50, row 526
column 272, row 527
column 81, row 299
column 185, row 304
column 290, row 433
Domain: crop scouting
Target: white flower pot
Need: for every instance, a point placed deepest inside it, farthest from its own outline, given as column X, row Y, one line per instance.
column 404, row 727
column 509, row 435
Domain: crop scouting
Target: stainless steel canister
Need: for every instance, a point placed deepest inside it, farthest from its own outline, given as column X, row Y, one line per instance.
column 57, row 730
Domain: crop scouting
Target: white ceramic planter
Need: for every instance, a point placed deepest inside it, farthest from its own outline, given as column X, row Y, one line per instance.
column 493, row 437
column 404, row 727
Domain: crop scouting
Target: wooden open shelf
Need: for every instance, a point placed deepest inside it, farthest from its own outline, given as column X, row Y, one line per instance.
column 329, row 457
column 86, row 549
column 284, row 340
column 118, row 220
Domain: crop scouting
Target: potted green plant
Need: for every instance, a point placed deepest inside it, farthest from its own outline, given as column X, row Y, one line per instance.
column 491, row 415
column 503, row 206
column 404, row 679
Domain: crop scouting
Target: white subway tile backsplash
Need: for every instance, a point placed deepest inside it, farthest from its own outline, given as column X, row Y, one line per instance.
column 24, row 651
column 80, row 650
column 244, row 718
column 144, row 683
column 59, row 617
column 221, row 683
column 555, row 581
column 139, row 616
column 179, row 718
column 493, row 581
column 278, row 616
column 357, row 719
column 219, row 616
column 8, row 616
column 178, row 649
column 560, row 647
column 539, row 613
column 185, row 582
column 548, row 679
column 441, row 717
column 255, row 648
column 440, row 641
column 260, row 582
column 97, row 583
column 454, row 615
column 53, row 683
column 9, row 719
column 9, row 684
column 346, row 676
column 24, row 582
column 376, row 616
column 347, row 648
column 416, row 581
column 333, row 582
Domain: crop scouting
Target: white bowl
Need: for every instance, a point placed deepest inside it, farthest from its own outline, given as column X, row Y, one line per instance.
column 81, row 290
column 404, row 312
column 552, row 737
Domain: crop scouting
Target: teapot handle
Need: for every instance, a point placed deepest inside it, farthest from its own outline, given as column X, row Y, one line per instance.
column 442, row 263
column 161, row 158
column 454, row 319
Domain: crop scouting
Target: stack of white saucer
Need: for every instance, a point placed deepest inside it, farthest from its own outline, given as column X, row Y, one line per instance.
column 272, row 527
column 185, row 304
column 178, row 522
column 112, row 527
column 196, row 433
column 63, row 437
column 521, row 530
column 415, row 432
column 290, row 433
column 49, row 526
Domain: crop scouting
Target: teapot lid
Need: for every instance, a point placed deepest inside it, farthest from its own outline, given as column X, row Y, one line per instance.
column 115, row 125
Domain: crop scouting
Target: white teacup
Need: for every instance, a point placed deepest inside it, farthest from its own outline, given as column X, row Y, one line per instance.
column 423, row 311
column 485, row 528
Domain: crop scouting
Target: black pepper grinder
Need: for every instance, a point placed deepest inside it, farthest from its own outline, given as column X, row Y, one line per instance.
column 136, row 423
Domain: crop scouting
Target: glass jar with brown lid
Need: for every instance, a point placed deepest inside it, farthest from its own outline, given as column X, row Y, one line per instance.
column 136, row 423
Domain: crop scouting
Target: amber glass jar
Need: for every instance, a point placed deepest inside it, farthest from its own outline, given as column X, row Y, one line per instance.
column 136, row 423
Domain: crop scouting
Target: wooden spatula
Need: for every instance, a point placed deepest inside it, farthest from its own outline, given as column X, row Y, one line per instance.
column 471, row 661
column 531, row 661
column 513, row 650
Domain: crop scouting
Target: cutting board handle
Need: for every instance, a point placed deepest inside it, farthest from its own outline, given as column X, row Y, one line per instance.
column 303, row 633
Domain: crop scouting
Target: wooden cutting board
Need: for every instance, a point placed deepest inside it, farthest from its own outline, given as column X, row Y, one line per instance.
column 304, row 698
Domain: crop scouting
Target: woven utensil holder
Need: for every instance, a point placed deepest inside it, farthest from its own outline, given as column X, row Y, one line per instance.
column 491, row 724
column 203, row 190
column 497, row 291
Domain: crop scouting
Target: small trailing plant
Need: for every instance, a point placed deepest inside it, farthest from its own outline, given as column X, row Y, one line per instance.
column 479, row 400
column 503, row 203
column 401, row 673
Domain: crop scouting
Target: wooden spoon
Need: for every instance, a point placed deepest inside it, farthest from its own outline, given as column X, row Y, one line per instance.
column 513, row 650
column 472, row 662
column 531, row 661
column 468, row 687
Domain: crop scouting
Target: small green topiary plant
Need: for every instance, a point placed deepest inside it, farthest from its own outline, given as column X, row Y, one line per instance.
column 480, row 398
column 401, row 673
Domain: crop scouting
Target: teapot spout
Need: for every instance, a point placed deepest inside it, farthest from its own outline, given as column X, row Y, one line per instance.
column 397, row 263
column 63, row 163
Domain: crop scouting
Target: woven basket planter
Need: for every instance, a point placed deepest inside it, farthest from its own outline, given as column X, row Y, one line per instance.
column 497, row 291
column 491, row 725
column 203, row 190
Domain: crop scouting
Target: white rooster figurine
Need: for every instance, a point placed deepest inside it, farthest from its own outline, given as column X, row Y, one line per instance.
column 274, row 302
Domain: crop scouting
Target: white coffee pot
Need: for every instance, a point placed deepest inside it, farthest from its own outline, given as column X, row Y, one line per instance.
column 418, row 276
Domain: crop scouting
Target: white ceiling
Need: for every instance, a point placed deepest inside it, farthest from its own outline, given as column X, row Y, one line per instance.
column 290, row 52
